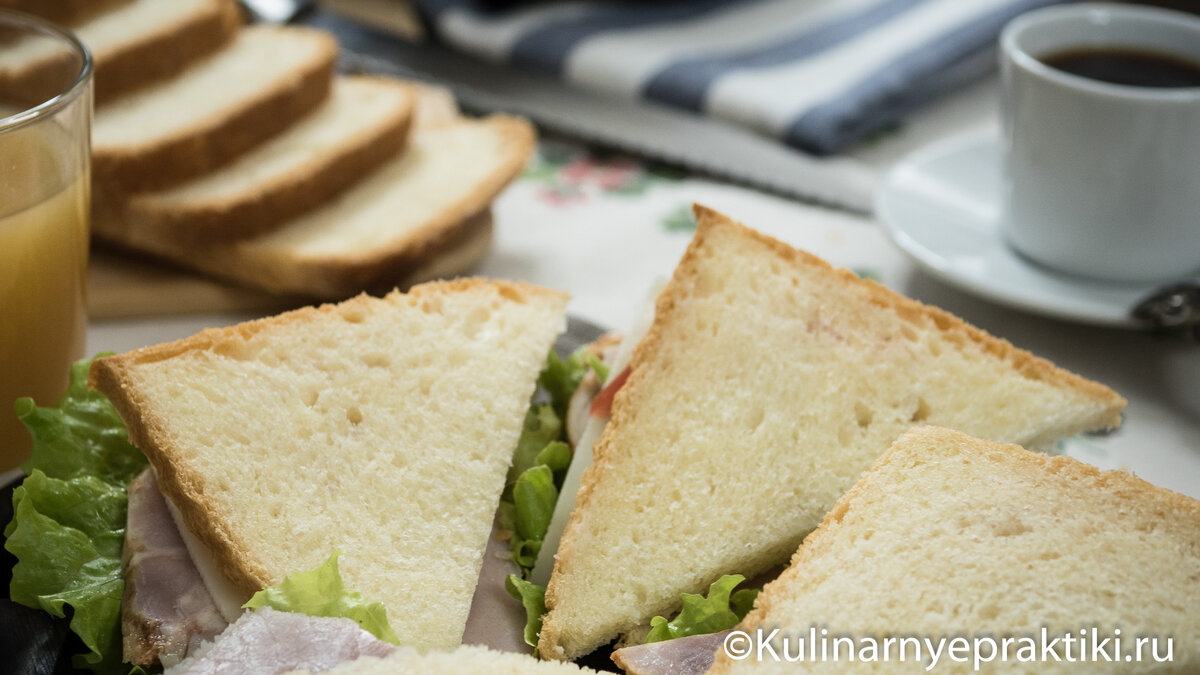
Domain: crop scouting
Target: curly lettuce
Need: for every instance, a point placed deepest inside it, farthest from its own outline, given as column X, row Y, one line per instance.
column 539, row 466
column 542, row 427
column 68, row 528
column 561, row 377
column 540, row 461
column 533, row 599
column 721, row 610
column 321, row 592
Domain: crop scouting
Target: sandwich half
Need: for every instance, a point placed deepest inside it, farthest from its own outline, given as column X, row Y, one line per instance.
column 767, row 383
column 378, row 427
column 949, row 535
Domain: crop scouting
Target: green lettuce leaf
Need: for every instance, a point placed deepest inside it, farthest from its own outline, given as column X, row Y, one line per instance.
column 560, row 378
column 68, row 527
column 542, row 426
column 556, row 456
column 539, row 463
column 321, row 592
column 539, row 466
column 534, row 497
column 533, row 599
column 598, row 366
column 59, row 566
column 700, row 615
column 81, row 435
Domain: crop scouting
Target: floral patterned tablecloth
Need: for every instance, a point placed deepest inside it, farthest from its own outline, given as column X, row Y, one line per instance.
column 605, row 227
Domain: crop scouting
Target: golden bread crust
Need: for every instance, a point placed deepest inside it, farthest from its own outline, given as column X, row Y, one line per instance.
column 219, row 140
column 149, row 215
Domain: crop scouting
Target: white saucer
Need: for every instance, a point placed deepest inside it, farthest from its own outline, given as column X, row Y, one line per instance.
column 941, row 205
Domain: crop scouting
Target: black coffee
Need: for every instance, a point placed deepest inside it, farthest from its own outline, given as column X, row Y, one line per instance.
column 1128, row 66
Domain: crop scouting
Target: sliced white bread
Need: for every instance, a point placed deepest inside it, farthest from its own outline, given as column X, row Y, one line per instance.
column 435, row 105
column 133, row 43
column 141, row 41
column 263, row 80
column 467, row 660
column 432, row 199
column 949, row 535
column 380, row 427
column 767, row 383
column 363, row 124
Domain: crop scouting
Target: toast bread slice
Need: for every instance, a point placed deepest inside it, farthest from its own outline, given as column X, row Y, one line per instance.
column 396, row 220
column 144, row 41
column 949, row 535
column 133, row 43
column 767, row 383
column 381, row 427
column 220, row 107
column 363, row 124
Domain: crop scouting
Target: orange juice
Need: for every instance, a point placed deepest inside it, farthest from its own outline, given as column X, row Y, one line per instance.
column 44, row 201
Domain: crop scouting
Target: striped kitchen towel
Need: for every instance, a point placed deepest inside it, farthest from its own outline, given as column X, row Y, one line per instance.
column 819, row 74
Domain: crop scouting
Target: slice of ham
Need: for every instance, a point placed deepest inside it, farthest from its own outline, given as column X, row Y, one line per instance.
column 167, row 612
column 266, row 641
column 602, row 404
column 690, row 655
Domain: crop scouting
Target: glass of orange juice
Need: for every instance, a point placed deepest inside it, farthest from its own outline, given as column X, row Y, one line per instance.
column 45, row 146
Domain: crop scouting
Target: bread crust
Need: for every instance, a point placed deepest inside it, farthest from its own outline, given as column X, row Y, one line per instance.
column 1026, row 363
column 191, row 152
column 141, row 60
column 61, row 11
column 551, row 638
column 115, row 377
column 149, row 215
column 167, row 51
column 1117, row 484
column 457, row 228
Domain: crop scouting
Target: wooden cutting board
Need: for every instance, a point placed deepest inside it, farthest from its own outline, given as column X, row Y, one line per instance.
column 123, row 285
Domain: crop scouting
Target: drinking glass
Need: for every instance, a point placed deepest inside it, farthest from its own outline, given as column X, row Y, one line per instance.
column 45, row 147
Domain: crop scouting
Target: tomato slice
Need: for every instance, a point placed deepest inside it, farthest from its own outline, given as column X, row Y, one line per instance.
column 602, row 404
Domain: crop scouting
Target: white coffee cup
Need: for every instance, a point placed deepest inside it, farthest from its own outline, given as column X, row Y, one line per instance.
column 1101, row 180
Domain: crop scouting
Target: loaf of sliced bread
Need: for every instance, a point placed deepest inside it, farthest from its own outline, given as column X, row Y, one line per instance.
column 380, row 427
column 142, row 41
column 767, row 383
column 363, row 124
column 429, row 200
column 205, row 117
column 467, row 660
column 949, row 535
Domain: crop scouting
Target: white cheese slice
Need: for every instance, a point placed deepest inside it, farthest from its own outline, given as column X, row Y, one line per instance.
column 227, row 598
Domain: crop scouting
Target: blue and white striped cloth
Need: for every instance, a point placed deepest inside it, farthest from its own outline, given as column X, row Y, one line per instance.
column 819, row 74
